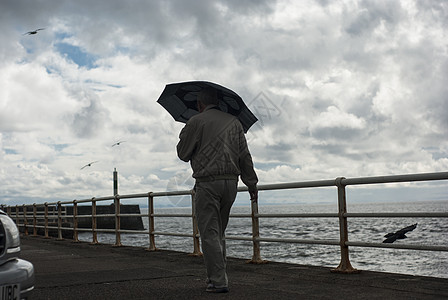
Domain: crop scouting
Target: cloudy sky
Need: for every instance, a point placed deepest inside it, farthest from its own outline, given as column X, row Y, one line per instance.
column 341, row 88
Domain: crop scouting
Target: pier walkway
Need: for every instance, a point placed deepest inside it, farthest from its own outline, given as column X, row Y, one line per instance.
column 68, row 270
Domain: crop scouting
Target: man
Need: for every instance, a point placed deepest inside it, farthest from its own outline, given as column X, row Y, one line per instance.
column 214, row 143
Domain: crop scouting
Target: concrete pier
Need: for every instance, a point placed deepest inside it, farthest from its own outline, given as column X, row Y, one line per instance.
column 68, row 270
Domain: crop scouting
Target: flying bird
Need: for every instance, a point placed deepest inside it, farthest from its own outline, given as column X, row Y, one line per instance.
column 33, row 32
column 400, row 234
column 89, row 164
column 118, row 143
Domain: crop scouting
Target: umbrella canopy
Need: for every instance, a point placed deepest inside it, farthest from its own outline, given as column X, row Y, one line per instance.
column 180, row 100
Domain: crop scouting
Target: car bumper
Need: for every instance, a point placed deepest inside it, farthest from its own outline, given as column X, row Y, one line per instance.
column 18, row 271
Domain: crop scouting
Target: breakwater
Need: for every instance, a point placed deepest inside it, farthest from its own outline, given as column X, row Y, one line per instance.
column 108, row 222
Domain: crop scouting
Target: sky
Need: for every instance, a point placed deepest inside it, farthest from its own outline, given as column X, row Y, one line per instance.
column 340, row 88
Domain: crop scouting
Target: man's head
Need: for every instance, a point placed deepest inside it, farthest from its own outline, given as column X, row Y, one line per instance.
column 208, row 96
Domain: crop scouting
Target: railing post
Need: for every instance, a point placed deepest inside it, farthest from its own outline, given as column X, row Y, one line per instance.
column 17, row 216
column 196, row 243
column 256, row 258
column 152, row 241
column 25, row 220
column 59, row 221
column 46, row 220
column 34, row 219
column 117, row 221
column 94, row 235
column 344, row 265
column 75, row 221
column 115, row 182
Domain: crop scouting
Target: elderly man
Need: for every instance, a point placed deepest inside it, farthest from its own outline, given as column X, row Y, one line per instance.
column 214, row 143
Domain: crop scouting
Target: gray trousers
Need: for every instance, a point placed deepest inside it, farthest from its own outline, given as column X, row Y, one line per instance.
column 213, row 201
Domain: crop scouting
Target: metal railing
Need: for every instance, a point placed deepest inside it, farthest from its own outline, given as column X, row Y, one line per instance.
column 52, row 216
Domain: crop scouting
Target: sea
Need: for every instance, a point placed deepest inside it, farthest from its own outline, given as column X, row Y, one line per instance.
column 429, row 231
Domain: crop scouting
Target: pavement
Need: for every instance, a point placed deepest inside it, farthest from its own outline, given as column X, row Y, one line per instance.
column 68, row 270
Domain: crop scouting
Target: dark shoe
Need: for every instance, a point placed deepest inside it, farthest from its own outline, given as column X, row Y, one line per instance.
column 213, row 289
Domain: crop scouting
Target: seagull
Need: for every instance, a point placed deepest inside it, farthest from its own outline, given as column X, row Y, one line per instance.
column 400, row 234
column 118, row 143
column 33, row 32
column 89, row 164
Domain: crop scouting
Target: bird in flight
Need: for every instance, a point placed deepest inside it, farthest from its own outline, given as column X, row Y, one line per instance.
column 400, row 234
column 118, row 143
column 89, row 164
column 33, row 32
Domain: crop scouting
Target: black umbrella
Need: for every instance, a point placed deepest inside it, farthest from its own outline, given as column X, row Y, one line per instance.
column 179, row 99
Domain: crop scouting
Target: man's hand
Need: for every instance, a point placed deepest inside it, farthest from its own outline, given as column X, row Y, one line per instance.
column 253, row 195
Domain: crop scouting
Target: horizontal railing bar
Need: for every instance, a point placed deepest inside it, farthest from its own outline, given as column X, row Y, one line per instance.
column 30, row 213
column 97, row 216
column 280, row 240
column 398, row 246
column 395, row 178
column 52, row 227
column 67, row 228
column 30, row 220
column 172, row 193
column 53, row 205
column 133, row 231
column 50, row 204
column 292, row 185
column 398, row 215
column 172, row 234
column 89, row 216
column 64, row 202
column 317, row 242
column 102, row 198
column 132, row 215
column 86, row 200
column 316, row 215
column 104, row 215
column 140, row 195
column 172, row 215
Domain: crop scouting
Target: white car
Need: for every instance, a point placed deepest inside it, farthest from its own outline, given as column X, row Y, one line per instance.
column 16, row 275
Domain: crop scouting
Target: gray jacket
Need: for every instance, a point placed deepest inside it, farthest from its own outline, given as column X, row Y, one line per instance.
column 214, row 142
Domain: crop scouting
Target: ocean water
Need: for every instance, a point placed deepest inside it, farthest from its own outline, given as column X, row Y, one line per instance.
column 429, row 231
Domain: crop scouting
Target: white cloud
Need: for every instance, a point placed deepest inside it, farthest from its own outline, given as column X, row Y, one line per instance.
column 341, row 88
column 334, row 118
